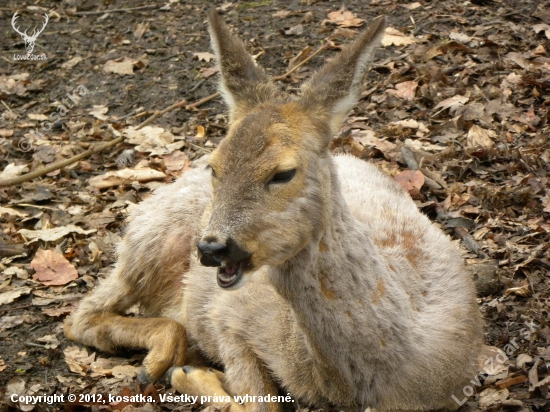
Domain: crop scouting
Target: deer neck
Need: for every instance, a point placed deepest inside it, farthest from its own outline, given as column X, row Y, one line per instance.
column 334, row 286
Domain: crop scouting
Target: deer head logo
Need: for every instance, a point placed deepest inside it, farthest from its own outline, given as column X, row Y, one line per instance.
column 29, row 40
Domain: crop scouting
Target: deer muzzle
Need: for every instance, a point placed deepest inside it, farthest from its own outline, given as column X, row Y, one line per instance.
column 230, row 259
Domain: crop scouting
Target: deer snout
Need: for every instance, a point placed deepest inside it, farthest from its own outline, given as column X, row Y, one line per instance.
column 212, row 253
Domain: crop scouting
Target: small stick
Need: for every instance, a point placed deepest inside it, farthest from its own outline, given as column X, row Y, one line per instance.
column 47, row 169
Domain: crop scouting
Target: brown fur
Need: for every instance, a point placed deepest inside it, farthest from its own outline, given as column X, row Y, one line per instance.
column 353, row 297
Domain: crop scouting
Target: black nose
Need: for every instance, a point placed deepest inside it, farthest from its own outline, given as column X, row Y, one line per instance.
column 212, row 253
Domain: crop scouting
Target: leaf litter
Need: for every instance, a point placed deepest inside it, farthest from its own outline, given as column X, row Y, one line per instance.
column 455, row 109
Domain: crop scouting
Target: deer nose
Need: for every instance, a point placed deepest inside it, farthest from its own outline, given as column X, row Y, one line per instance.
column 212, row 253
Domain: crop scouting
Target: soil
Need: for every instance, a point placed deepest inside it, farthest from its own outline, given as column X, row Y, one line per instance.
column 456, row 109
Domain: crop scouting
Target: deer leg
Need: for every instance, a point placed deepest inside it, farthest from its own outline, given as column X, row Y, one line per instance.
column 207, row 384
column 99, row 322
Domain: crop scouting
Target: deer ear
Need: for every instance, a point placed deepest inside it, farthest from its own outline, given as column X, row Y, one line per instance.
column 243, row 84
column 335, row 89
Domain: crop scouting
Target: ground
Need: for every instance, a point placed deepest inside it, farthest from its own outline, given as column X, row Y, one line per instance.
column 456, row 108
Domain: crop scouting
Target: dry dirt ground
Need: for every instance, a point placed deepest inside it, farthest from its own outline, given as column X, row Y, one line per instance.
column 456, row 108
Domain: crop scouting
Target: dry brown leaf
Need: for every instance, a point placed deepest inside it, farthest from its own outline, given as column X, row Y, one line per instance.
column 51, row 235
column 8, row 322
column 52, row 268
column 78, row 359
column 175, row 161
column 99, row 112
column 140, row 30
column 204, row 56
column 38, row 116
column 450, row 103
column 69, row 64
column 295, row 30
column 152, row 139
column 410, row 180
column 207, row 72
column 50, row 341
column 122, row 176
column 480, row 137
column 2, row 365
column 395, row 37
column 201, row 132
column 344, row 18
column 491, row 396
column 405, row 90
column 6, row 132
column 11, row 295
column 281, row 13
column 60, row 311
column 523, row 291
column 300, row 57
column 11, row 170
column 123, row 65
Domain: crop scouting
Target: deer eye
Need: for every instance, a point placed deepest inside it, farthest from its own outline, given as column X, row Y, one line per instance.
column 283, row 177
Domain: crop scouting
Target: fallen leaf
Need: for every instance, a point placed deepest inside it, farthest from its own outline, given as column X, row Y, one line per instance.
column 52, row 268
column 412, row 6
column 8, row 322
column 38, row 116
column 491, row 396
column 451, row 102
column 175, row 161
column 281, row 13
column 344, row 18
column 6, row 132
column 50, row 341
column 523, row 291
column 60, row 311
column 152, row 139
column 410, row 180
column 460, row 37
column 140, row 30
column 480, row 137
column 78, row 359
column 11, row 170
column 2, row 365
column 295, row 30
column 69, row 64
column 12, row 212
column 405, row 90
column 204, row 56
column 124, row 65
column 395, row 37
column 207, row 72
column 51, row 235
column 11, row 295
column 122, row 176
column 99, row 112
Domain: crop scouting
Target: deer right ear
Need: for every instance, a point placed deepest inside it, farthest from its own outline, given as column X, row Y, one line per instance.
column 243, row 84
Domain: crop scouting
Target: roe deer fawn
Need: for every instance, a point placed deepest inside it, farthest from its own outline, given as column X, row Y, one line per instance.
column 317, row 273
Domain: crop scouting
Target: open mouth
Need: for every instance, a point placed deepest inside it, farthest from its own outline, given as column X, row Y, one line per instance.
column 229, row 275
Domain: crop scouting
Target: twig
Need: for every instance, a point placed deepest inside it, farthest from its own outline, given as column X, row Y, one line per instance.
column 47, row 169
column 87, row 13
column 311, row 56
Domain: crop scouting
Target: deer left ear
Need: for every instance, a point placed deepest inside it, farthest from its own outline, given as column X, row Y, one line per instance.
column 243, row 84
column 335, row 89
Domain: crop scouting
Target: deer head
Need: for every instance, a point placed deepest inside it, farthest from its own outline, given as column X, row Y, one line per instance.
column 272, row 174
column 29, row 40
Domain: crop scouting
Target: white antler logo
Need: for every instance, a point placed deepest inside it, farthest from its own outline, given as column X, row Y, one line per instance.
column 29, row 40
